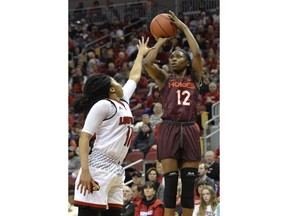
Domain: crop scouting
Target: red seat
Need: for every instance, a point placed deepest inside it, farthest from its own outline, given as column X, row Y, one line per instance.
column 134, row 156
column 151, row 157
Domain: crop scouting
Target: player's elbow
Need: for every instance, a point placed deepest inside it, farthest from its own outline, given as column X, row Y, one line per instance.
column 147, row 63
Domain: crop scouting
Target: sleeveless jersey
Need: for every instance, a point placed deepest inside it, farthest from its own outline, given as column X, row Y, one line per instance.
column 113, row 134
column 179, row 98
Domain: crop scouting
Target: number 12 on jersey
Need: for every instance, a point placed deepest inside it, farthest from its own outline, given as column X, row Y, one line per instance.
column 185, row 94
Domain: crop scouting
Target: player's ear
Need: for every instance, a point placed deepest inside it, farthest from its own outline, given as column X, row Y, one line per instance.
column 112, row 89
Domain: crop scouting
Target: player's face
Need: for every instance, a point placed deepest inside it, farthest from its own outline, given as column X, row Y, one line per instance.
column 117, row 87
column 178, row 61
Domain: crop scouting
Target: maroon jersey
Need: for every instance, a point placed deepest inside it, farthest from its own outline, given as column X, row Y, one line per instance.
column 179, row 98
column 178, row 135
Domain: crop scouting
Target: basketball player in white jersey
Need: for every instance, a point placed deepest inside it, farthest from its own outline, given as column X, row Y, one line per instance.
column 99, row 185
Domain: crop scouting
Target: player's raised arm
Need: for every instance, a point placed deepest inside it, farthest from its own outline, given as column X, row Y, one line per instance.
column 153, row 69
column 196, row 61
column 135, row 73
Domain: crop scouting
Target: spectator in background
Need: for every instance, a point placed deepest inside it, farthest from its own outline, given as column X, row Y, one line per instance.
column 144, row 139
column 128, row 208
column 92, row 67
column 208, row 202
column 205, row 85
column 150, row 204
column 215, row 16
column 74, row 161
column 95, row 12
column 135, row 102
column 143, row 83
column 136, row 178
column 198, row 188
column 112, row 69
column 152, row 176
column 76, row 80
column 152, row 99
column 144, row 119
column 161, row 178
column 213, row 167
column 211, row 61
column 211, row 98
column 162, row 57
column 122, row 75
column 217, row 153
column 202, row 176
column 155, row 118
column 137, row 190
column 132, row 46
column 120, row 59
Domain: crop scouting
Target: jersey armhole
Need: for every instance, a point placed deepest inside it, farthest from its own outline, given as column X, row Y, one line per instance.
column 114, row 113
column 124, row 101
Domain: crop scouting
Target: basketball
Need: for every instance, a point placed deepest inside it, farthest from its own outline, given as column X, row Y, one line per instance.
column 160, row 26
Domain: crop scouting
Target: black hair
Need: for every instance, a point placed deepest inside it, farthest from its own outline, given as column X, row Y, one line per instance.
column 96, row 88
column 149, row 184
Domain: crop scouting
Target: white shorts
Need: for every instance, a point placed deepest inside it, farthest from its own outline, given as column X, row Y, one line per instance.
column 111, row 188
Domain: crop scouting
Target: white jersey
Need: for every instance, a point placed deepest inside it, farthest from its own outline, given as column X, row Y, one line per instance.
column 112, row 122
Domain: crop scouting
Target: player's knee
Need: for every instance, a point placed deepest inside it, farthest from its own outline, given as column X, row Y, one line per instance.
column 170, row 191
column 188, row 176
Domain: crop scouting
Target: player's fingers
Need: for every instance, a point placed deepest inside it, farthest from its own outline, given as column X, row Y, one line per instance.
column 172, row 13
column 81, row 187
column 88, row 187
column 147, row 40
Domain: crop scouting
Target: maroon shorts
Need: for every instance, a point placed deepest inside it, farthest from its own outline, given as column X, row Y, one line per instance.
column 172, row 145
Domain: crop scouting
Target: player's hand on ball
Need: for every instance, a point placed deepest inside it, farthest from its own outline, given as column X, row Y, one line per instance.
column 176, row 21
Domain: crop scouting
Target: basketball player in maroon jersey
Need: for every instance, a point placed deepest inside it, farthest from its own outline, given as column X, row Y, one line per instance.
column 179, row 136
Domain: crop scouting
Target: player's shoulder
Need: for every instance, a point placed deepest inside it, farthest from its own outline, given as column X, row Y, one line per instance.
column 104, row 102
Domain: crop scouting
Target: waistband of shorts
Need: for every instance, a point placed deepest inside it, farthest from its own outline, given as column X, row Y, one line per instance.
column 178, row 123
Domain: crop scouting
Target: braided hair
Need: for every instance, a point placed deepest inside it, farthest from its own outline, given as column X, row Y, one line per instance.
column 96, row 88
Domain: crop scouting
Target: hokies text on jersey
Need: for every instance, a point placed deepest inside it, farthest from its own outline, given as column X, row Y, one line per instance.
column 190, row 85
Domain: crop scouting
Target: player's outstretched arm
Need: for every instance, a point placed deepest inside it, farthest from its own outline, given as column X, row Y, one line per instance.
column 143, row 49
column 152, row 69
